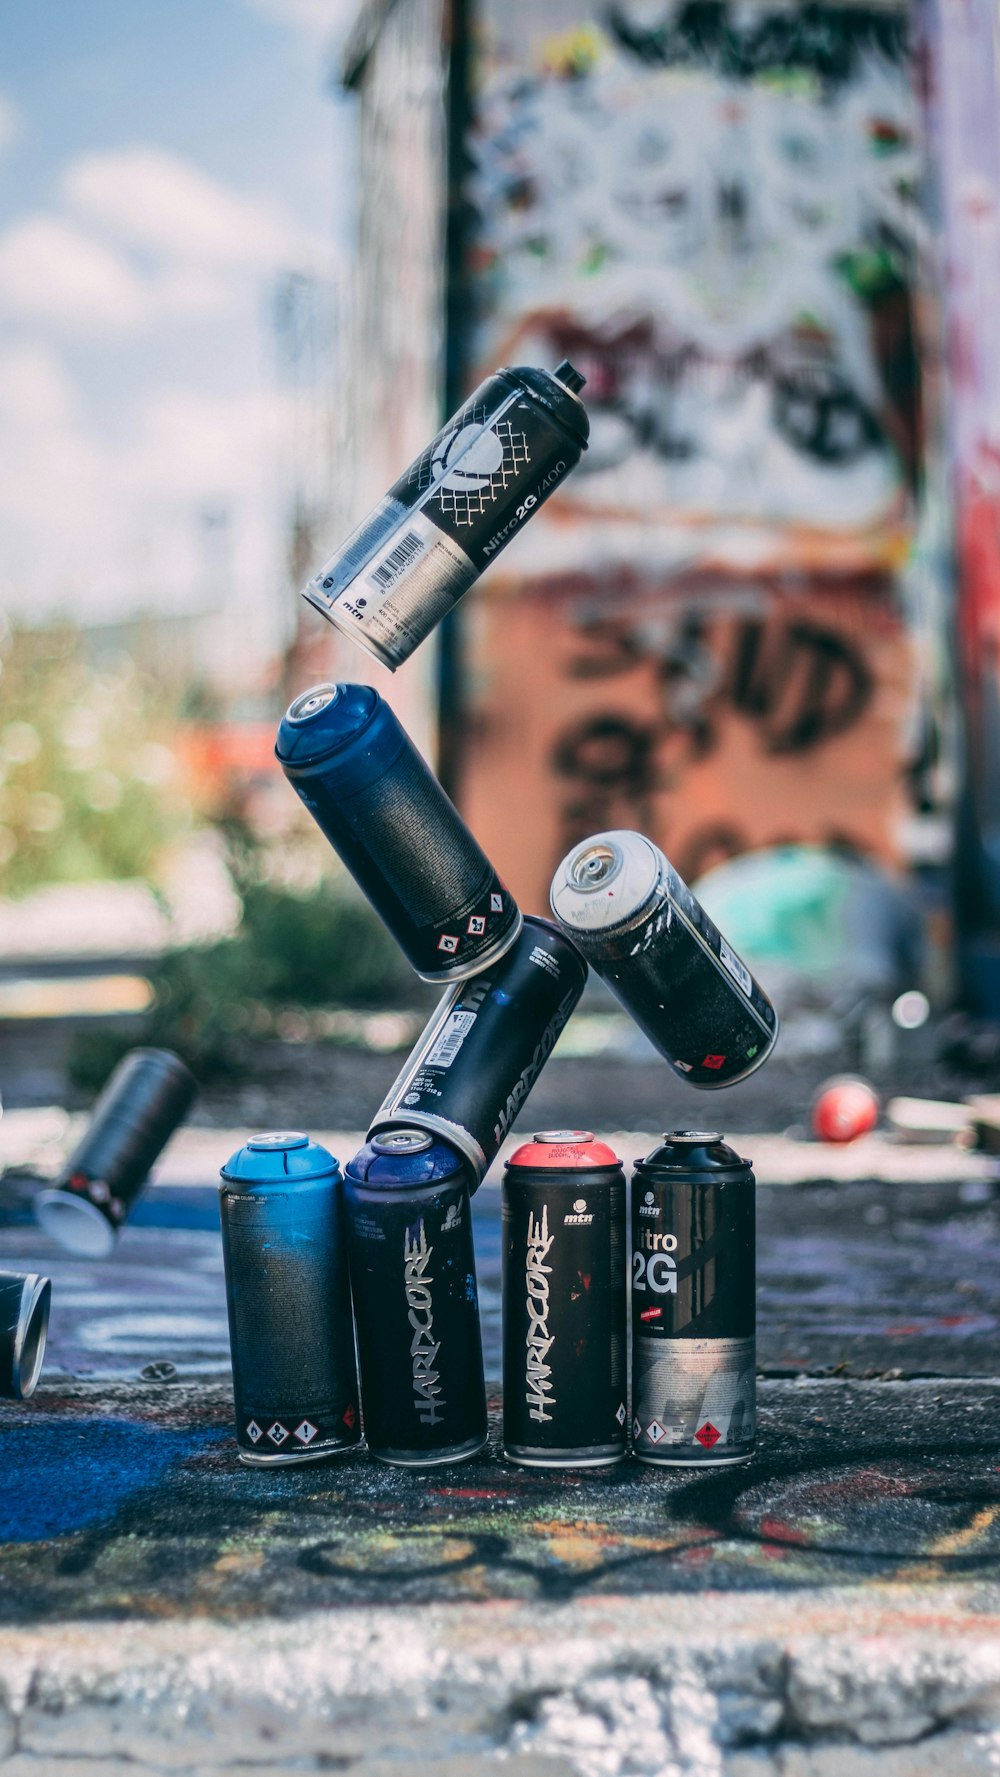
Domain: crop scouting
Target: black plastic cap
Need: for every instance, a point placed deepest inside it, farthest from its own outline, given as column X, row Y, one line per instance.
column 571, row 379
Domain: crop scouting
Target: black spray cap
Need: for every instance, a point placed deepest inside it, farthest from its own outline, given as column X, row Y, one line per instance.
column 569, row 377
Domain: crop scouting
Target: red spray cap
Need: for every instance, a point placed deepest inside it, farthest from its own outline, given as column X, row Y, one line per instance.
column 564, row 1150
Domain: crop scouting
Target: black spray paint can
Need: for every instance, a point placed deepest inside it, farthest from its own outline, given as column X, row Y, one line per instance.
column 565, row 1372
column 413, row 1276
column 295, row 1381
column 477, row 1059
column 640, row 927
column 693, row 1303
column 369, row 791
column 147, row 1096
column 24, row 1325
column 491, row 467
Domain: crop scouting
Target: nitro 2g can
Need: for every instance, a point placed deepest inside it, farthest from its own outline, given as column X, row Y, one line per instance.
column 295, row 1381
column 647, row 936
column 564, row 1355
column 413, row 1275
column 477, row 1059
column 494, row 463
column 693, row 1303
column 369, row 791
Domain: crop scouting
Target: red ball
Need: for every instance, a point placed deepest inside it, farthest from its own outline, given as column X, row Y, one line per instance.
column 843, row 1109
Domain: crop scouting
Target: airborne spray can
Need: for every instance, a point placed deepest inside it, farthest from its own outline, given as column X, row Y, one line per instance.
column 369, row 791
column 495, row 462
column 647, row 936
column 477, row 1059
column 693, row 1303
column 295, row 1381
column 564, row 1355
column 413, row 1274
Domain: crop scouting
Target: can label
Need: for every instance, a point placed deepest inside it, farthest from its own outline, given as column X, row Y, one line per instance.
column 693, row 1399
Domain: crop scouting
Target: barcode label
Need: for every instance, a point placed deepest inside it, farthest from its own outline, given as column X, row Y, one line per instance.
column 732, row 962
column 450, row 1039
column 398, row 560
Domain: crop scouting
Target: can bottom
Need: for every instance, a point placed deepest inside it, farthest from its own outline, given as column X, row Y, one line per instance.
column 466, row 971
column 604, row 1456
column 431, row 1458
column 693, row 1461
column 278, row 1459
column 453, row 1133
column 332, row 615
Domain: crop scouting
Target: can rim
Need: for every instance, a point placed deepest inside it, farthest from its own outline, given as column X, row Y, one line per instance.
column 74, row 1223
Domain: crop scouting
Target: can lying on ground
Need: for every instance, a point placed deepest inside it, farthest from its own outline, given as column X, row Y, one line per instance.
column 475, row 1062
column 24, row 1325
column 494, row 464
column 564, row 1356
column 147, row 1097
column 295, row 1382
column 640, row 927
column 413, row 1276
column 693, row 1303
column 352, row 763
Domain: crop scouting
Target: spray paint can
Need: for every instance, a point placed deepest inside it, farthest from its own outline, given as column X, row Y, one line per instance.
column 693, row 1303
column 494, row 464
column 472, row 1067
column 295, row 1381
column 24, row 1325
column 147, row 1096
column 413, row 1276
column 352, row 763
column 647, row 936
column 565, row 1372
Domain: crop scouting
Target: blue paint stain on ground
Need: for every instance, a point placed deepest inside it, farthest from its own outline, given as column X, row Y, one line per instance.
column 60, row 1475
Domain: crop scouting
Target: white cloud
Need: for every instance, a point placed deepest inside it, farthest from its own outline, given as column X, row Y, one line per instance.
column 50, row 270
column 10, row 121
column 322, row 21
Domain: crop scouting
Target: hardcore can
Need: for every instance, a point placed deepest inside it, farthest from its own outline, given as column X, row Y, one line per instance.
column 368, row 789
column 693, row 1303
column 24, row 1323
column 147, row 1096
column 643, row 931
column 564, row 1358
column 477, row 1059
column 295, row 1381
column 496, row 461
column 413, row 1274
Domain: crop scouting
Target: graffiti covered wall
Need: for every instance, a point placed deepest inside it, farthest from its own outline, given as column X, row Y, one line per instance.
column 709, row 210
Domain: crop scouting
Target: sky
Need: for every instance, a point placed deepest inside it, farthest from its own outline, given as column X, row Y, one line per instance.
column 161, row 165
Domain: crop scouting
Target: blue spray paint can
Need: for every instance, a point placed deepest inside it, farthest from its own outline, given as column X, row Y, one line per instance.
column 295, row 1383
column 369, row 791
column 413, row 1276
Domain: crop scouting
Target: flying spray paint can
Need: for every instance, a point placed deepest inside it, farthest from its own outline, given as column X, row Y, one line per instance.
column 295, row 1382
column 24, row 1324
column 369, row 791
column 693, row 1303
column 472, row 1067
column 491, row 467
column 413, row 1276
column 564, row 1354
column 147, row 1096
column 640, row 927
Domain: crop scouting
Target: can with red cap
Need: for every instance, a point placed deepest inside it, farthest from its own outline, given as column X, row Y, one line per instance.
column 564, row 1311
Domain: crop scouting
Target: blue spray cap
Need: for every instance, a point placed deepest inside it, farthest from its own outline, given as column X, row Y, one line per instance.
column 322, row 720
column 398, row 1158
column 280, row 1157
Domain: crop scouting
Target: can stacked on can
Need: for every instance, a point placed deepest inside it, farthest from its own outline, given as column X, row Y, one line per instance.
column 564, row 1351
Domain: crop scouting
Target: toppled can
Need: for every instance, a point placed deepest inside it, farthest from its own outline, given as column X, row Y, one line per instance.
column 350, row 760
column 693, row 1303
column 473, row 1065
column 24, row 1325
column 413, row 1277
column 147, row 1097
column 291, row 1335
column 452, row 511
column 643, row 931
column 565, row 1363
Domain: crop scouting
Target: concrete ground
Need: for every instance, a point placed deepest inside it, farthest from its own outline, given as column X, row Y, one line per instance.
column 831, row 1610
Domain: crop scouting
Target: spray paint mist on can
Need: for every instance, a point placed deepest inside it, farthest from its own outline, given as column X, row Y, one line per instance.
column 147, row 1096
column 295, row 1382
column 352, row 763
column 413, row 1275
column 472, row 1067
column 564, row 1330
column 693, row 1303
column 647, row 936
column 492, row 466
column 24, row 1325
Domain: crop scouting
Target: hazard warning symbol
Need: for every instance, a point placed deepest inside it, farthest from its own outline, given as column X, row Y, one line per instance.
column 655, row 1432
column 707, row 1435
